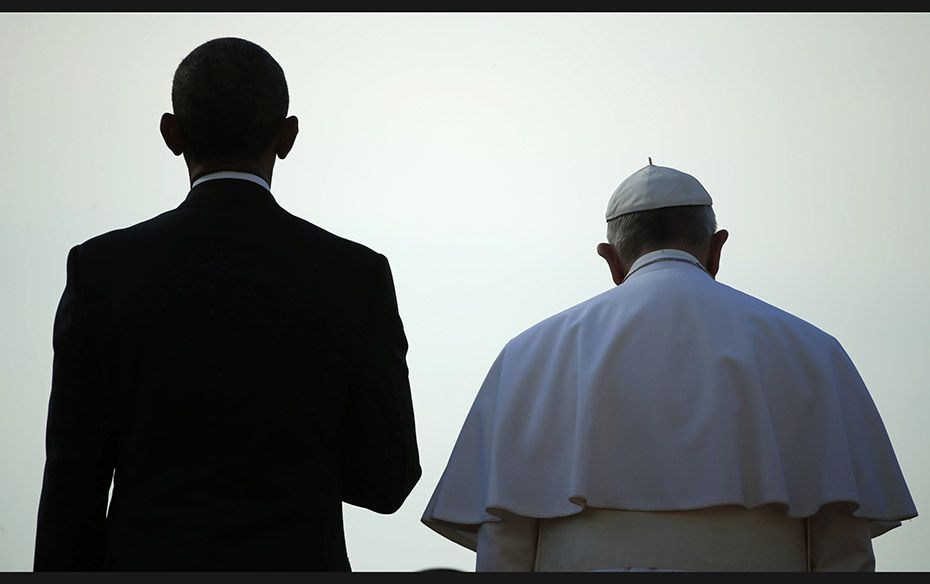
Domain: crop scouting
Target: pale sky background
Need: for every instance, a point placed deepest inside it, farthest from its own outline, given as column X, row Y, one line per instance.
column 478, row 152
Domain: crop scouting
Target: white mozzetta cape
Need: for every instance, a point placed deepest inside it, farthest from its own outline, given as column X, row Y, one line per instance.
column 671, row 391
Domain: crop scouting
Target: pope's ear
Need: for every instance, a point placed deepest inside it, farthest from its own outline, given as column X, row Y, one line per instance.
column 610, row 255
column 171, row 134
column 713, row 255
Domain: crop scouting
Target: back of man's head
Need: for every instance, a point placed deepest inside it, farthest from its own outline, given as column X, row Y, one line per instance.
column 688, row 227
column 229, row 97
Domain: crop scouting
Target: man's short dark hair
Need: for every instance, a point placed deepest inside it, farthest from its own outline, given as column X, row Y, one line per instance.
column 229, row 97
column 633, row 234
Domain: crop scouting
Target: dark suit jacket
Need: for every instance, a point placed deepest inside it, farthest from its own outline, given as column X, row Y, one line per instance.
column 243, row 372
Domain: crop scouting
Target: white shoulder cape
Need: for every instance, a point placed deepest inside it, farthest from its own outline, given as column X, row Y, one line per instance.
column 669, row 392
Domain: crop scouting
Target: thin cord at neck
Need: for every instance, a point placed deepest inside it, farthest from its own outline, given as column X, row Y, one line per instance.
column 652, row 261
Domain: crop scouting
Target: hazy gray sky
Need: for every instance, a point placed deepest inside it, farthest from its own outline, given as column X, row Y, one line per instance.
column 478, row 152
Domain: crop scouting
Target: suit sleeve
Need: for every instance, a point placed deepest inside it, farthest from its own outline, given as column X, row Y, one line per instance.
column 380, row 462
column 79, row 461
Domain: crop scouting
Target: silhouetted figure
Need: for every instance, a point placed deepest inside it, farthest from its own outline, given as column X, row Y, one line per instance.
column 241, row 370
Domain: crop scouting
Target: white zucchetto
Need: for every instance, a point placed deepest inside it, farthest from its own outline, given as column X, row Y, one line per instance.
column 655, row 187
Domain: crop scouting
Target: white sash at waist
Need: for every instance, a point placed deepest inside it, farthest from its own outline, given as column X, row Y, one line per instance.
column 728, row 538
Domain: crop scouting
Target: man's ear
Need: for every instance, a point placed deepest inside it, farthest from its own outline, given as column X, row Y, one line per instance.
column 287, row 133
column 609, row 253
column 713, row 255
column 171, row 134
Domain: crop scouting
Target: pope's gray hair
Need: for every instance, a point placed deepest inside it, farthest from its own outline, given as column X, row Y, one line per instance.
column 633, row 234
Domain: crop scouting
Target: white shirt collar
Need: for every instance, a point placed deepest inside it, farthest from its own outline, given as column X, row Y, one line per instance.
column 661, row 255
column 233, row 174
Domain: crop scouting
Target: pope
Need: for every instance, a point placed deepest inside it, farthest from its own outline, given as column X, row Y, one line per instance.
column 671, row 422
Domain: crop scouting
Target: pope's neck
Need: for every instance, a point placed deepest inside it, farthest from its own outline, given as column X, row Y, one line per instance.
column 659, row 255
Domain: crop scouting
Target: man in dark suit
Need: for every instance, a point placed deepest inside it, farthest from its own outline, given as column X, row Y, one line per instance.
column 238, row 372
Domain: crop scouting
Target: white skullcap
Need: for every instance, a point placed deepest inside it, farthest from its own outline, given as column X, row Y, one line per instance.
column 654, row 187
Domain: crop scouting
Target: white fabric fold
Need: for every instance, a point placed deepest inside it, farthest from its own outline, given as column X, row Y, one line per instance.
column 669, row 392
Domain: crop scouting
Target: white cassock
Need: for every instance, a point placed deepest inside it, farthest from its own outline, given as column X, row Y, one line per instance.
column 670, row 392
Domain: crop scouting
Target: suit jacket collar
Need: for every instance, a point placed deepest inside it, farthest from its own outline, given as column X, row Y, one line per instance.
column 229, row 194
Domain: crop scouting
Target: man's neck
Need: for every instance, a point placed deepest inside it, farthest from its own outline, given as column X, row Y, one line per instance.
column 234, row 175
column 663, row 255
column 260, row 168
column 670, row 250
